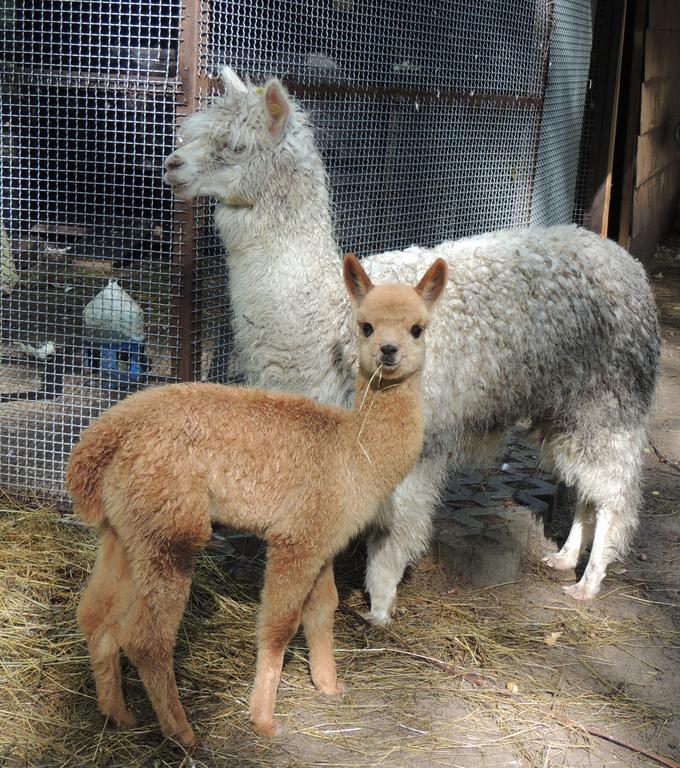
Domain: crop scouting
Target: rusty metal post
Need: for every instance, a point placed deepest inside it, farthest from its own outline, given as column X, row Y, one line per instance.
column 187, row 99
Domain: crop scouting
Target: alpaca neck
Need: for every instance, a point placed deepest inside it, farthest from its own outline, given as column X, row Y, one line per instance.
column 289, row 223
column 387, row 429
column 291, row 315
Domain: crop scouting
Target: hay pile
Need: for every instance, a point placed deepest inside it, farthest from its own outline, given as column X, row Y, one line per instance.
column 459, row 674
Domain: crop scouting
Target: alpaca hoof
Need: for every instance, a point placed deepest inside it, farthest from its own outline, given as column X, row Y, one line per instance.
column 378, row 619
column 196, row 748
column 124, row 719
column 185, row 737
column 580, row 591
column 559, row 562
column 268, row 729
column 335, row 690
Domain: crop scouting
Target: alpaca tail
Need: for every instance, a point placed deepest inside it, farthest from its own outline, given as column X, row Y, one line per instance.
column 88, row 460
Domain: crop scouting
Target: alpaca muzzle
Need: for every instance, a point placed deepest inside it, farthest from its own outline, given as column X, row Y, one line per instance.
column 389, row 355
column 173, row 161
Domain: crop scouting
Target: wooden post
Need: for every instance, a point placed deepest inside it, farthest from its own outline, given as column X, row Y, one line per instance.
column 187, row 74
column 629, row 137
column 604, row 130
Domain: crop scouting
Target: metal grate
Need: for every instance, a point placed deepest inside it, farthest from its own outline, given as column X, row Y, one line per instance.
column 434, row 121
column 490, row 46
column 91, row 40
column 433, row 124
column 87, row 115
column 404, row 172
column 563, row 111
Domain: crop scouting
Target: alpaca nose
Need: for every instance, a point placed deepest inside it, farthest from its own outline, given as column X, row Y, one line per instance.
column 389, row 349
column 173, row 162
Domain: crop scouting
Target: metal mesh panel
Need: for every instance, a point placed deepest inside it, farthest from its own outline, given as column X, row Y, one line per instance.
column 433, row 131
column 84, row 131
column 487, row 46
column 563, row 110
column 433, row 124
column 89, row 40
column 404, row 172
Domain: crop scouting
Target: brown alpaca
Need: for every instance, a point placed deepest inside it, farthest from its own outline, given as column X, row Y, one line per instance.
column 156, row 470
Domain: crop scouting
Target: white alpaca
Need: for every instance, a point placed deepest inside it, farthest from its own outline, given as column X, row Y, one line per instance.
column 554, row 324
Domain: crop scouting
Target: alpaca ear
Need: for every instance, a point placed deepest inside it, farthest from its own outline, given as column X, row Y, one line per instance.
column 433, row 283
column 276, row 107
column 357, row 282
column 232, row 82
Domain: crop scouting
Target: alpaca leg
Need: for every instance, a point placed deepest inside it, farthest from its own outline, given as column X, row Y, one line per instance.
column 102, row 608
column 317, row 620
column 604, row 465
column 289, row 579
column 616, row 521
column 149, row 640
column 161, row 534
column 407, row 522
column 580, row 537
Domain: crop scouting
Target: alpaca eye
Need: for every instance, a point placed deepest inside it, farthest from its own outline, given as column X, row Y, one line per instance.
column 416, row 331
column 234, row 150
column 366, row 329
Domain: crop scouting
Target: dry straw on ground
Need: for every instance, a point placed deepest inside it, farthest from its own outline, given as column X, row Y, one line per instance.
column 458, row 674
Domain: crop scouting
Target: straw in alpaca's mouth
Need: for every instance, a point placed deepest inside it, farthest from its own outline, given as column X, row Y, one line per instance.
column 390, row 363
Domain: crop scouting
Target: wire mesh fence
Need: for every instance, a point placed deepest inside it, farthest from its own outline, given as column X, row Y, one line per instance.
column 434, row 122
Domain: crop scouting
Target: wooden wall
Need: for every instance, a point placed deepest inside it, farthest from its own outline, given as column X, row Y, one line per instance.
column 657, row 167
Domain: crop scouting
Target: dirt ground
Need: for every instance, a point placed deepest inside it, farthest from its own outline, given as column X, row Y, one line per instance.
column 516, row 675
